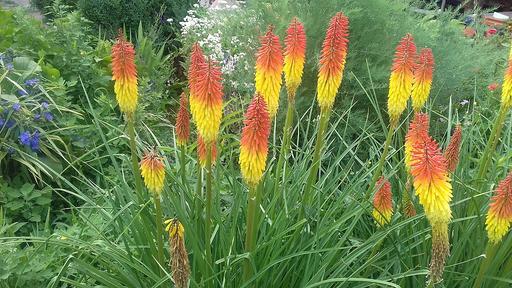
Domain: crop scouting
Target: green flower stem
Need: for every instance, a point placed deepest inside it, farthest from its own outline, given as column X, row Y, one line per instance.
column 488, row 153
column 135, row 159
column 208, row 218
column 250, row 237
column 183, row 172
column 382, row 160
column 313, row 173
column 489, row 255
column 287, row 131
column 159, row 233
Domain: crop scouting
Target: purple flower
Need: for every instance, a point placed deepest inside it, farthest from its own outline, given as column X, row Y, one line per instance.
column 45, row 105
column 2, row 122
column 37, row 117
column 34, row 141
column 9, row 66
column 10, row 123
column 32, row 82
column 16, row 107
column 48, row 116
column 25, row 138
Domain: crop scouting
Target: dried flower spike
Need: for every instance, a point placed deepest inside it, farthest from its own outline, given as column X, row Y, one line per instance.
column 499, row 215
column 453, row 149
column 294, row 56
column 332, row 60
column 152, row 170
column 269, row 67
column 254, row 141
column 206, row 101
column 382, row 202
column 401, row 79
column 183, row 121
column 180, row 268
column 124, row 73
column 422, row 82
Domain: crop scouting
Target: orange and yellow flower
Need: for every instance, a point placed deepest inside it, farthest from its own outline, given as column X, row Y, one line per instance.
column 201, row 151
column 197, row 59
column 124, row 73
column 401, row 79
column 382, row 202
column 506, row 90
column 294, row 56
column 499, row 215
column 431, row 180
column 422, row 79
column 206, row 100
column 332, row 60
column 183, row 121
column 254, row 141
column 418, row 130
column 152, row 170
column 452, row 150
column 269, row 67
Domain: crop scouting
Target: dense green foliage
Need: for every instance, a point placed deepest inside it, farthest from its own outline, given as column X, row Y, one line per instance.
column 69, row 216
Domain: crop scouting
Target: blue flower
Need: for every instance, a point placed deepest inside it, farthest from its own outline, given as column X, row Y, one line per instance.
column 22, row 92
column 34, row 141
column 16, row 107
column 45, row 105
column 37, row 117
column 32, row 82
column 2, row 122
column 11, row 151
column 10, row 123
column 25, row 138
column 9, row 66
column 48, row 116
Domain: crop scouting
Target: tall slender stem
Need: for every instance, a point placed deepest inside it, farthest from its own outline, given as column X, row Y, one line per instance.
column 250, row 236
column 159, row 232
column 183, row 173
column 135, row 159
column 382, row 159
column 285, row 147
column 313, row 173
column 489, row 255
column 208, row 218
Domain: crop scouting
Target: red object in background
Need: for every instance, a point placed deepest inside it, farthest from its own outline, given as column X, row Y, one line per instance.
column 469, row 32
column 490, row 32
column 493, row 86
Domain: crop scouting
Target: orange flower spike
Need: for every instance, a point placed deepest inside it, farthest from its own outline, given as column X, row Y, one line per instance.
column 506, row 91
column 294, row 56
column 418, row 131
column 431, row 181
column 197, row 59
column 124, row 73
column 332, row 60
column 499, row 215
column 183, row 122
column 206, row 101
column 254, row 141
column 383, row 202
column 201, row 151
column 401, row 79
column 452, row 150
column 422, row 79
column 269, row 67
column 152, row 170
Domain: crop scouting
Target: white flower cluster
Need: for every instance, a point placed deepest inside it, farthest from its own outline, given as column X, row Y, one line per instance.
column 210, row 27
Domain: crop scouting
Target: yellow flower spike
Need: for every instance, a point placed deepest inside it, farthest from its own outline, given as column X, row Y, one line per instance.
column 153, row 171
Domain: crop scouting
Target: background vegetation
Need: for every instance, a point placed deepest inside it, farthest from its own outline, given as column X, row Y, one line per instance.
column 68, row 218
